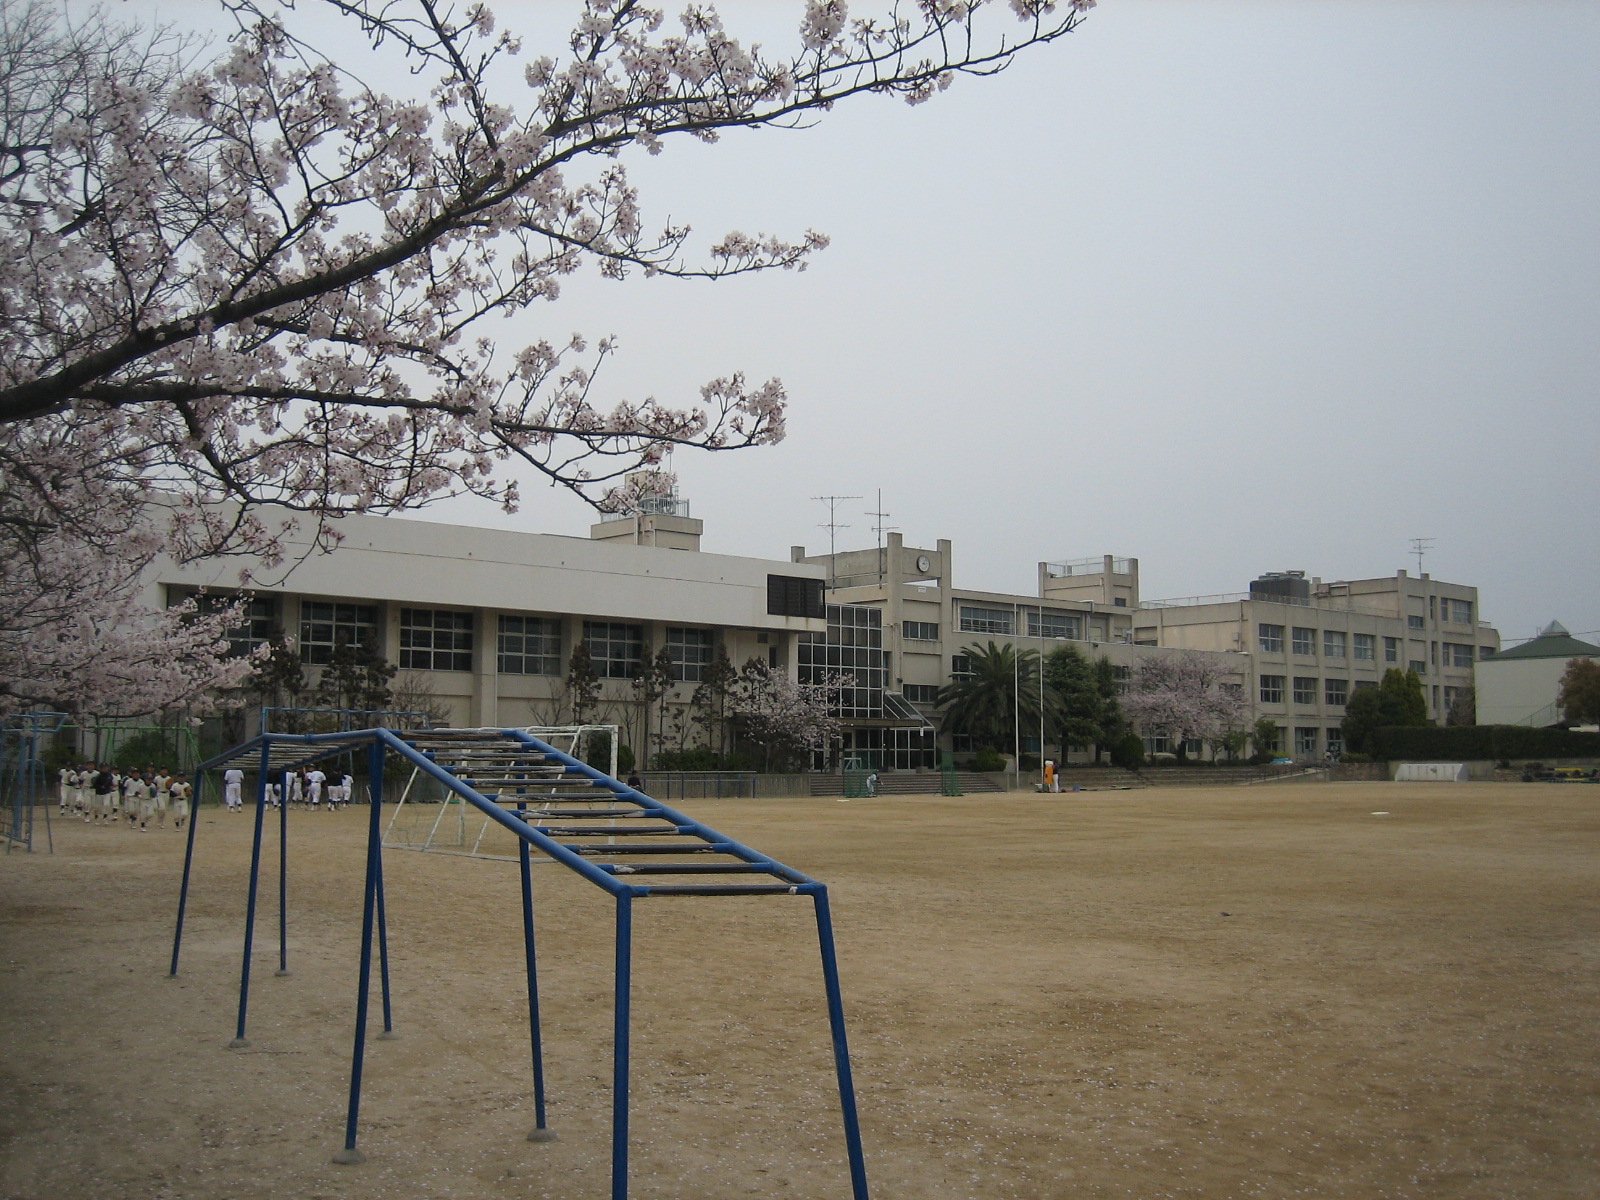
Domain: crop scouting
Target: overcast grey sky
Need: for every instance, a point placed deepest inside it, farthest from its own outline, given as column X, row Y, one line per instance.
column 1227, row 285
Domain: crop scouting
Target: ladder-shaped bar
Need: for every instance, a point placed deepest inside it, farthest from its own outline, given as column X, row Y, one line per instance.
column 618, row 838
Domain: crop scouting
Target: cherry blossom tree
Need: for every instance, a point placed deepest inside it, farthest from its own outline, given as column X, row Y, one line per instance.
column 787, row 719
column 256, row 286
column 1183, row 696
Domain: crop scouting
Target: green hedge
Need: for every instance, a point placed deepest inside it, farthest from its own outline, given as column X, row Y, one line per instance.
column 1458, row 743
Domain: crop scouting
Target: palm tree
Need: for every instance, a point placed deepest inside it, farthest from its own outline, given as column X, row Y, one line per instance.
column 1000, row 687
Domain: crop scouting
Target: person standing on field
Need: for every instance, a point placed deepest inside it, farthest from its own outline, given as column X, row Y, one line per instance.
column 233, row 789
column 314, row 781
column 180, row 792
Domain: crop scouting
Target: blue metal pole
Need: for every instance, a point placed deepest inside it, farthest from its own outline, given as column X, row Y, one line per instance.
column 349, row 1154
column 188, row 862
column 841, row 1051
column 619, row 1052
column 250, row 909
column 388, row 1033
column 540, row 1131
column 283, row 875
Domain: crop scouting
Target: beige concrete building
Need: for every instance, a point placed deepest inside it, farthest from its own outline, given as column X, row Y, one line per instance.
column 487, row 620
column 1312, row 642
column 489, row 617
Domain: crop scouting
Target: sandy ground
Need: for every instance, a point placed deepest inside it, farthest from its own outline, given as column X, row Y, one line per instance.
column 1257, row 992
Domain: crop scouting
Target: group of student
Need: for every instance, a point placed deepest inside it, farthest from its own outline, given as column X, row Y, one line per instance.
column 307, row 787
column 102, row 794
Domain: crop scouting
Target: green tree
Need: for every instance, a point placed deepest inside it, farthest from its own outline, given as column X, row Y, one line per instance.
column 1069, row 673
column 1113, row 722
column 1362, row 714
column 709, row 702
column 1401, row 700
column 355, row 677
column 1001, row 688
column 583, row 685
column 1265, row 734
column 1580, row 691
column 655, row 678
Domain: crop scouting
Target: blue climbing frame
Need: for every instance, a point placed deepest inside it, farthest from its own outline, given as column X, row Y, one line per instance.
column 527, row 786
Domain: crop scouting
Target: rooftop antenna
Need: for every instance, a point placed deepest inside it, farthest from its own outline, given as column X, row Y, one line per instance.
column 832, row 525
column 880, row 529
column 1419, row 547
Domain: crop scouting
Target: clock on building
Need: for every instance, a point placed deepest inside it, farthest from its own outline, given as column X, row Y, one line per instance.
column 922, row 562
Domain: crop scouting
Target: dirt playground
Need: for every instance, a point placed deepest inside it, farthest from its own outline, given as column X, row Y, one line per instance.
column 1351, row 991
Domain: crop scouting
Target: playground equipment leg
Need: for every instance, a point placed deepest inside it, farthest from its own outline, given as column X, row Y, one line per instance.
column 841, row 1050
column 619, row 1059
column 250, row 909
column 388, row 1033
column 283, row 875
column 540, row 1131
column 188, row 862
column 350, row 1155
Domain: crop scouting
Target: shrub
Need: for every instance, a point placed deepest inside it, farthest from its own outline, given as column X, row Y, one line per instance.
column 1355, row 756
column 1463, row 742
column 695, row 758
column 988, row 759
column 1028, row 762
column 1127, row 752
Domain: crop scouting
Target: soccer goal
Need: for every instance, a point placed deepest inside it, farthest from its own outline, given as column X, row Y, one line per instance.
column 428, row 817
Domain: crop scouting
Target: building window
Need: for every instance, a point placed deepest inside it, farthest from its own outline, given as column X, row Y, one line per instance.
column 616, row 651
column 960, row 666
column 1364, row 646
column 1333, row 643
column 691, row 652
column 1305, row 689
column 530, row 646
column 1305, row 641
column 1335, row 741
column 1460, row 612
column 1305, row 742
column 323, row 625
column 921, row 693
column 258, row 616
column 1366, row 683
column 1457, row 655
column 1272, row 689
column 1335, row 692
column 1420, row 667
column 1048, row 624
column 1415, row 622
column 1485, row 651
column 795, row 596
column 986, row 620
column 920, row 631
column 853, row 646
column 1391, row 649
column 435, row 640
column 1270, row 638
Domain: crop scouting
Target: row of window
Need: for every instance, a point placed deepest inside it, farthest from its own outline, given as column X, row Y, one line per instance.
column 1336, row 643
column 1360, row 647
column 1335, row 692
column 443, row 640
column 1041, row 622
